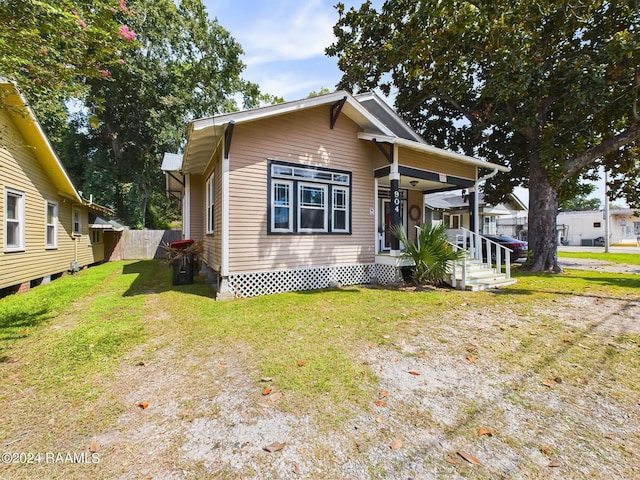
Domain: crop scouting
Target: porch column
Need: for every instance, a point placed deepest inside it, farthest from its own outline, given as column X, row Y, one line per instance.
column 472, row 210
column 396, row 207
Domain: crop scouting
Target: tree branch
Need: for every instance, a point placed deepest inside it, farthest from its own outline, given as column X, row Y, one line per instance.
column 608, row 145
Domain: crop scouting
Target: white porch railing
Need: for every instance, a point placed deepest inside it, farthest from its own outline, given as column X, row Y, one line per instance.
column 480, row 249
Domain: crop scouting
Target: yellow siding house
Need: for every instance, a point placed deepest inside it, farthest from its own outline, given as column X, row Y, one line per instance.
column 46, row 224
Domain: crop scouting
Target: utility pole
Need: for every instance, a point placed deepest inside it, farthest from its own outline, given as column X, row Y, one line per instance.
column 606, row 212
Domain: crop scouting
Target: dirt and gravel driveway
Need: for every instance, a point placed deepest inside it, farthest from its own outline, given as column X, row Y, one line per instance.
column 443, row 408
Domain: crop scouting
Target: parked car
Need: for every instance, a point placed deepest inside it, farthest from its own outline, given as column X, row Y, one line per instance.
column 518, row 248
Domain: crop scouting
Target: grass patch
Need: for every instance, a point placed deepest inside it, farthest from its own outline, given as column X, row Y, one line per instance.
column 623, row 258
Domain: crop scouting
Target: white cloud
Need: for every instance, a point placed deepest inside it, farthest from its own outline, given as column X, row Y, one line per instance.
column 284, row 42
column 292, row 30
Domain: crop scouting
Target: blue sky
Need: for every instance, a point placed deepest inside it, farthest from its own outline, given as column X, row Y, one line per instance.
column 284, row 42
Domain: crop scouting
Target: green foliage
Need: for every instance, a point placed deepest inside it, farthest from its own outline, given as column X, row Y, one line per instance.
column 548, row 88
column 322, row 91
column 579, row 204
column 51, row 47
column 187, row 66
column 431, row 253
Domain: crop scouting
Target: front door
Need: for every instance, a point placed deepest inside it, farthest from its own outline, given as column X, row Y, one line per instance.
column 386, row 221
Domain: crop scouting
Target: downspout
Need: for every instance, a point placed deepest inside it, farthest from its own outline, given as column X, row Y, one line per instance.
column 476, row 210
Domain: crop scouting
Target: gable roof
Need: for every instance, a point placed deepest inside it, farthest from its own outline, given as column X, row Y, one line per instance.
column 204, row 134
column 15, row 104
column 381, row 110
column 378, row 122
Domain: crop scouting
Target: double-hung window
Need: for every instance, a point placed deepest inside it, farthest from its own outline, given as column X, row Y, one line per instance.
column 51, row 220
column 14, row 220
column 210, row 203
column 282, row 208
column 312, row 207
column 340, row 209
column 304, row 199
column 77, row 222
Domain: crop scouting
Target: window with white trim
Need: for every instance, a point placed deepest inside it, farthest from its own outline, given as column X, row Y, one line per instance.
column 210, row 203
column 340, row 218
column 77, row 222
column 14, row 220
column 51, row 222
column 282, row 209
column 304, row 199
column 312, row 208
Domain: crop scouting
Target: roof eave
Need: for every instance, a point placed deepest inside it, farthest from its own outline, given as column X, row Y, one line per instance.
column 32, row 132
column 420, row 147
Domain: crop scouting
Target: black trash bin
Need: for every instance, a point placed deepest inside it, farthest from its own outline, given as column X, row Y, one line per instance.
column 183, row 264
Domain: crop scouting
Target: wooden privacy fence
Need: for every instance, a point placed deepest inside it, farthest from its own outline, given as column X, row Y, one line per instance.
column 145, row 244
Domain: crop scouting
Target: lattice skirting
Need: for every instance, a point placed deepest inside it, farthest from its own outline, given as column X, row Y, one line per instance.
column 265, row 283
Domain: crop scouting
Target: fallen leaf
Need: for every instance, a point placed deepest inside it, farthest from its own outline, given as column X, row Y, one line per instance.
column 554, row 464
column 143, row 405
column 379, row 419
column 301, row 364
column 94, row 447
column 471, row 358
column 549, row 383
column 381, row 403
column 485, row 431
column 22, row 332
column 266, row 379
column 266, row 391
column 469, row 458
column 546, row 450
column 141, row 364
column 414, row 373
column 383, row 394
column 396, row 444
column 274, row 447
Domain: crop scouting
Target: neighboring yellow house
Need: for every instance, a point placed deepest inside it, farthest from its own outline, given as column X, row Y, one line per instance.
column 302, row 195
column 47, row 227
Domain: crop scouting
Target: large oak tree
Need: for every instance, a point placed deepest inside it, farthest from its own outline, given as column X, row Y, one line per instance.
column 548, row 87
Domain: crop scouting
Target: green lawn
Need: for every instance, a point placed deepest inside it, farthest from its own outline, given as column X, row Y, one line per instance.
column 63, row 345
column 625, row 258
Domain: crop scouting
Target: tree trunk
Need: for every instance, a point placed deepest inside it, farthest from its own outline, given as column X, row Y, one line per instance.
column 144, row 201
column 543, row 212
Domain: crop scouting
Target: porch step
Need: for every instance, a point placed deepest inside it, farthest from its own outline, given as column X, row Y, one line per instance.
column 481, row 276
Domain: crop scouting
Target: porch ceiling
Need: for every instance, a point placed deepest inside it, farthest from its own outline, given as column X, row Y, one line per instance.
column 412, row 183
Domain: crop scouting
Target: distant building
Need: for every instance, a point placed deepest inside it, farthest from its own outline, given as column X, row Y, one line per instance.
column 454, row 211
column 587, row 228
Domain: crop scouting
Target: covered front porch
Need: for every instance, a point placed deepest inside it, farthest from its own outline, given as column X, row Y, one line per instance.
column 407, row 172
